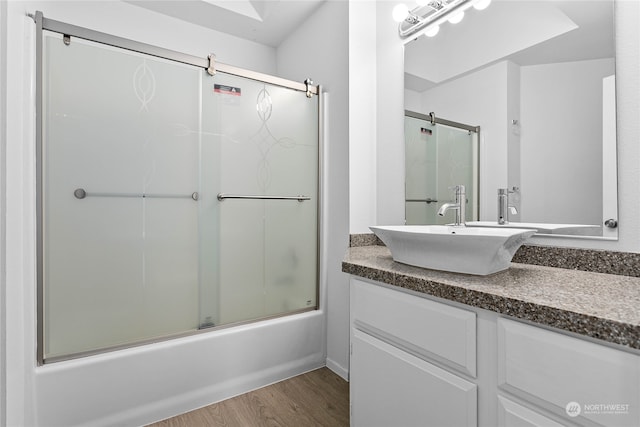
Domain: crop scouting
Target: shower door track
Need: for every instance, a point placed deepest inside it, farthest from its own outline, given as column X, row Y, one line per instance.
column 207, row 64
column 70, row 30
column 431, row 117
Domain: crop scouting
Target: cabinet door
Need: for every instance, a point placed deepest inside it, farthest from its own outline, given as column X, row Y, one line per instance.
column 390, row 387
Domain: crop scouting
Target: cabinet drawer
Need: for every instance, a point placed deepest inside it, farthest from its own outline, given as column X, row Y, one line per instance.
column 511, row 414
column 438, row 331
column 392, row 388
column 599, row 383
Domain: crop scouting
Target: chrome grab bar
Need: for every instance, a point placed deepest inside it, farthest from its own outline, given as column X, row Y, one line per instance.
column 222, row 196
column 81, row 193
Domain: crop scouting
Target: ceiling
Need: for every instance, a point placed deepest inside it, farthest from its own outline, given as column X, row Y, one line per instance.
column 268, row 22
column 523, row 31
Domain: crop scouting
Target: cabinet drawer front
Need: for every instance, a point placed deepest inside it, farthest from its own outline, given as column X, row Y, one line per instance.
column 599, row 383
column 442, row 332
column 392, row 388
column 511, row 414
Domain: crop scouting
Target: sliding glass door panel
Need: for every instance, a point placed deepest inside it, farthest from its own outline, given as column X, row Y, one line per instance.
column 120, row 230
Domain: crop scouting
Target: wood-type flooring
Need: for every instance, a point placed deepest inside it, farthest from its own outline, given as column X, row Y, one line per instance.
column 316, row 398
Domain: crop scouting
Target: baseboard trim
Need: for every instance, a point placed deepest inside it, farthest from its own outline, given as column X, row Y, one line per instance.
column 338, row 369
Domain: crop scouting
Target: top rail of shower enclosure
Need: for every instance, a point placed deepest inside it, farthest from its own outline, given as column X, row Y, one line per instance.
column 207, row 64
column 211, row 67
column 431, row 117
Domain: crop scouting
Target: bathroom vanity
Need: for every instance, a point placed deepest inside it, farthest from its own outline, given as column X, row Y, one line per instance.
column 533, row 345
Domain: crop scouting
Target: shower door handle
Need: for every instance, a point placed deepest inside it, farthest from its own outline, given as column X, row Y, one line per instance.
column 223, row 196
column 81, row 193
column 428, row 200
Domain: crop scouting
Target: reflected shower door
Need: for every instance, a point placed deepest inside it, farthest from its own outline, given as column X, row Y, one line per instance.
column 421, row 171
column 457, row 164
column 437, row 158
column 259, row 140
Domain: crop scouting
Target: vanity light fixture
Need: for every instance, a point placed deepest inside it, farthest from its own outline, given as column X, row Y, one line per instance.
column 456, row 17
column 432, row 31
column 481, row 4
column 429, row 14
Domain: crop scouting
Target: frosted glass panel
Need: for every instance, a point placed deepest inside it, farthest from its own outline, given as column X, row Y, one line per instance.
column 456, row 165
column 267, row 141
column 421, row 170
column 119, row 268
column 137, row 245
column 438, row 157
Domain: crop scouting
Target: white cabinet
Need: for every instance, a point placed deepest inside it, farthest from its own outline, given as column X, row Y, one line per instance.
column 397, row 341
column 601, row 383
column 421, row 326
column 390, row 387
column 417, row 361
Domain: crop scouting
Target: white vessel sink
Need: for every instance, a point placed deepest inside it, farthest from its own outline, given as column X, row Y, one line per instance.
column 542, row 228
column 470, row 250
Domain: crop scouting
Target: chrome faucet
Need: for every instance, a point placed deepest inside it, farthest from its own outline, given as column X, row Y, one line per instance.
column 503, row 206
column 459, row 205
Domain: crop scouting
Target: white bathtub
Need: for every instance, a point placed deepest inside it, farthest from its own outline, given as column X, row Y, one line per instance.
column 144, row 384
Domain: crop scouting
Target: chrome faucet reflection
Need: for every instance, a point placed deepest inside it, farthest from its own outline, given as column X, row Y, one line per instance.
column 459, row 205
column 503, row 205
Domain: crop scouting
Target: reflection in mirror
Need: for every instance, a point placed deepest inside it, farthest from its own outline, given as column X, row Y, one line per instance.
column 440, row 154
column 539, row 78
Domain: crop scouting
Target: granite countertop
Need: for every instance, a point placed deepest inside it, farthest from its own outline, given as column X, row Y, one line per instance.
column 597, row 305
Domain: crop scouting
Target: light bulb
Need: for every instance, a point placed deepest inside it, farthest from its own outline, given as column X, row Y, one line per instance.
column 456, row 17
column 400, row 12
column 432, row 31
column 482, row 4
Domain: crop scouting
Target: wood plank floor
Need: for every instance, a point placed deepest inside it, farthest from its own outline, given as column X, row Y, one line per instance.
column 317, row 398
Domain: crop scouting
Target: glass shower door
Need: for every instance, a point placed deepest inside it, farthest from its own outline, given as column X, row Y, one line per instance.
column 120, row 220
column 263, row 141
column 171, row 200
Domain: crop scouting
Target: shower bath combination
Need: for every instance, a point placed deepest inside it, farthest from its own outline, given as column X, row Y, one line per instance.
column 175, row 194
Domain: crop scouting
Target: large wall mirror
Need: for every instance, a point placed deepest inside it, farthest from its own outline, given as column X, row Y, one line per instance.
column 538, row 78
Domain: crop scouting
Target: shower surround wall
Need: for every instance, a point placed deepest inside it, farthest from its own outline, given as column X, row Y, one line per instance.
column 139, row 385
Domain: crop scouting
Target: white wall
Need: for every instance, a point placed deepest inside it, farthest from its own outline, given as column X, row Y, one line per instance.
column 3, row 165
column 143, row 384
column 362, row 113
column 135, row 23
column 311, row 52
column 389, row 118
column 570, row 147
column 412, row 101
